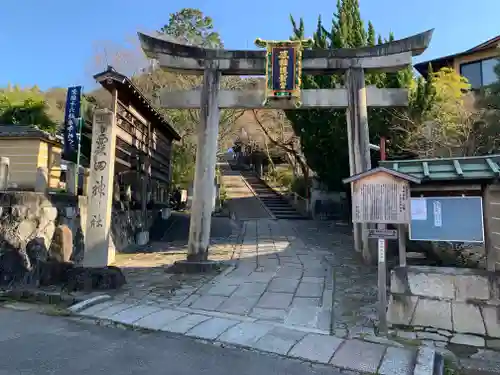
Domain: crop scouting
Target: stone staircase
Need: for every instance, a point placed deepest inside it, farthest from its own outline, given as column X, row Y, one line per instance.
column 278, row 205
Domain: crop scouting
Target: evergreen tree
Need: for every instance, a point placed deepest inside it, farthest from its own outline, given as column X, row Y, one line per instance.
column 323, row 132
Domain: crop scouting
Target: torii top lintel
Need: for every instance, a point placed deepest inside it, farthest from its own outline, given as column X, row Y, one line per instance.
column 391, row 56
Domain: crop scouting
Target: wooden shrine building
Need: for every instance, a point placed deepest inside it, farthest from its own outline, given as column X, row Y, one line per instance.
column 144, row 139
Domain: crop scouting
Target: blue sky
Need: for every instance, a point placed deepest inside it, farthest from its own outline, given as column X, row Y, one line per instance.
column 54, row 43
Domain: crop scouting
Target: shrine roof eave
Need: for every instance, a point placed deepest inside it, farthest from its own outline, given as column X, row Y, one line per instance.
column 454, row 169
column 362, row 175
column 389, row 56
column 110, row 79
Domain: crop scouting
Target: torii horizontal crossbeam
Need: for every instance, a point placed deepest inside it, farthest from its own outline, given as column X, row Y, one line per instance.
column 391, row 56
column 248, row 99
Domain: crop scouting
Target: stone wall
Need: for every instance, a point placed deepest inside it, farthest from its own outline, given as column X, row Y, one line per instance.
column 445, row 305
column 27, row 215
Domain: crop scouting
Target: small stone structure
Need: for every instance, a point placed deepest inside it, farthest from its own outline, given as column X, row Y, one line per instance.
column 445, row 305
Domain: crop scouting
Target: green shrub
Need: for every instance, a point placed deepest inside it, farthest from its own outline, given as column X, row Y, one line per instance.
column 299, row 186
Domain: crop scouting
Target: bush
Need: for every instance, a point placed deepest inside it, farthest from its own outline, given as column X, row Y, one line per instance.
column 299, row 186
column 284, row 177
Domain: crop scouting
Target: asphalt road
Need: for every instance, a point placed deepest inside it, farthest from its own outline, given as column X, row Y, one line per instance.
column 38, row 344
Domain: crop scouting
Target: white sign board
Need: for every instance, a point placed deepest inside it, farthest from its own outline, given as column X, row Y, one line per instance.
column 418, row 209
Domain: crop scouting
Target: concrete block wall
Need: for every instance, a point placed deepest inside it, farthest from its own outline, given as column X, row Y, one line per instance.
column 446, row 305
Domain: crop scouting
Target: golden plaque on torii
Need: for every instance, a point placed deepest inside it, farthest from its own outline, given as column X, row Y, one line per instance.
column 284, row 68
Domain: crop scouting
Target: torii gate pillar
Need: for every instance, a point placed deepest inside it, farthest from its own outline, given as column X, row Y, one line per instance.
column 206, row 159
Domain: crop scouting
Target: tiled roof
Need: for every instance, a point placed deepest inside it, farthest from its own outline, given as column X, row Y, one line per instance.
column 26, row 131
column 448, row 169
column 439, row 62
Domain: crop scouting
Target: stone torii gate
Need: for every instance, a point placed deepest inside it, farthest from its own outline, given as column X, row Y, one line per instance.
column 212, row 63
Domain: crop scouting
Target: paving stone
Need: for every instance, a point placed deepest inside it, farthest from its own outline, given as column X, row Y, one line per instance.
column 306, row 301
column 306, row 316
column 467, row 318
column 310, row 290
column 470, row 340
column 491, row 321
column 261, row 276
column 269, row 314
column 212, row 328
column 99, row 307
column 208, row 302
column 282, row 285
column 275, row 300
column 250, row 289
column 279, row 340
column 359, row 355
column 290, row 271
column 238, row 305
column 189, row 300
column 245, row 333
column 397, row 361
column 112, row 310
column 159, row 319
column 135, row 313
column 432, row 313
column 222, row 289
column 184, row 324
column 312, row 279
column 315, row 347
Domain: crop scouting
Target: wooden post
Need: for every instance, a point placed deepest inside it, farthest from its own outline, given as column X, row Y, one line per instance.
column 402, row 244
column 382, row 284
column 206, row 154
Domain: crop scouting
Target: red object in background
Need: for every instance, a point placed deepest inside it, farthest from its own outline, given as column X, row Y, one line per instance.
column 383, row 154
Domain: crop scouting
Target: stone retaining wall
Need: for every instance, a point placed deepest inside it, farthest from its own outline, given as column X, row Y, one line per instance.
column 446, row 305
column 28, row 215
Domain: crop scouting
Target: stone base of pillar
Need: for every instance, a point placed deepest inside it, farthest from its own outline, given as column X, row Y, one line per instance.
column 187, row 266
column 166, row 213
column 142, row 238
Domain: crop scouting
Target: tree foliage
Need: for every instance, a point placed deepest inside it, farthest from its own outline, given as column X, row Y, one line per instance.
column 445, row 119
column 323, row 132
column 25, row 107
column 191, row 26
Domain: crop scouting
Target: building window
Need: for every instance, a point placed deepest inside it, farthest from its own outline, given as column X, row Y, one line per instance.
column 480, row 73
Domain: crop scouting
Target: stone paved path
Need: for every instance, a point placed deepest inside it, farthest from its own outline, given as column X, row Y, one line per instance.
column 277, row 293
column 351, row 354
column 296, row 273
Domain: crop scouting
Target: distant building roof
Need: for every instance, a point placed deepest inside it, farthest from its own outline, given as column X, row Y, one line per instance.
column 27, row 131
column 448, row 169
column 444, row 61
column 110, row 79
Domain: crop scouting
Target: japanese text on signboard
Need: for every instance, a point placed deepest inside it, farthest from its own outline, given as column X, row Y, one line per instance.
column 99, row 149
column 283, row 72
column 71, row 118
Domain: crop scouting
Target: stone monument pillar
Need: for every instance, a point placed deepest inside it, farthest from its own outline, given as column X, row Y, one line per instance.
column 4, row 173
column 99, row 251
column 42, row 180
column 206, row 155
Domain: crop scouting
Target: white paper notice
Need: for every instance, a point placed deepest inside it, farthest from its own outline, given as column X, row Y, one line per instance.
column 418, row 209
column 381, row 250
column 438, row 217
